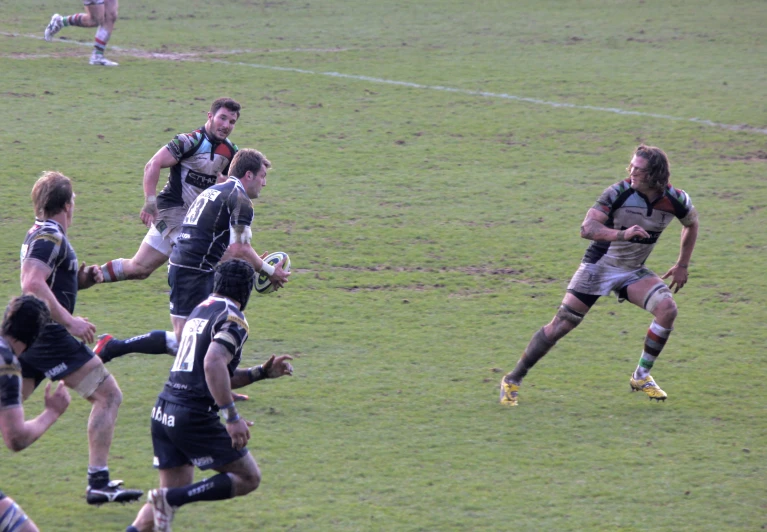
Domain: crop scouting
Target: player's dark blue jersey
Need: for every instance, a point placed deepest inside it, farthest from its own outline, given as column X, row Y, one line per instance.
column 47, row 243
column 200, row 160
column 217, row 320
column 205, row 233
column 10, row 378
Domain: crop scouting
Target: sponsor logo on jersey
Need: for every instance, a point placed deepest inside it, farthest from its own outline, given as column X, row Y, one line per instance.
column 199, row 180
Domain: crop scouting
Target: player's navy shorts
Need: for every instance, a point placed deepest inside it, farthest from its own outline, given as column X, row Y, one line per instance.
column 183, row 436
column 54, row 355
column 2, row 495
column 188, row 288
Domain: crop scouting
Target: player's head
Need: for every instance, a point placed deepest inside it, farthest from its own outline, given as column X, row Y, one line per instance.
column 227, row 103
column 234, row 279
column 658, row 169
column 24, row 319
column 52, row 194
column 253, row 161
column 222, row 117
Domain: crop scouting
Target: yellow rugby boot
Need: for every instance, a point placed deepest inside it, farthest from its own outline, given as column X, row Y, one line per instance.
column 509, row 393
column 648, row 386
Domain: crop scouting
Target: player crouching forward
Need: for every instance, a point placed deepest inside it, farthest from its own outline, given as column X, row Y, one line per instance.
column 186, row 430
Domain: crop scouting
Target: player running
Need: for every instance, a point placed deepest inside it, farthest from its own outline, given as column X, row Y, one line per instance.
column 49, row 271
column 186, row 430
column 623, row 225
column 217, row 227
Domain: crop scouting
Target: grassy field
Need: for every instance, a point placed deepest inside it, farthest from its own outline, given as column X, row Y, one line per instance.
column 433, row 161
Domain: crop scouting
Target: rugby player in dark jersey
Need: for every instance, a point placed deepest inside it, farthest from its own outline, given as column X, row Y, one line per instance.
column 216, row 227
column 49, row 271
column 24, row 318
column 197, row 160
column 186, row 431
column 623, row 225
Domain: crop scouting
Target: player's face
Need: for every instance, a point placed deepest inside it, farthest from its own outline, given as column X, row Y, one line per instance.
column 221, row 125
column 638, row 173
column 257, row 183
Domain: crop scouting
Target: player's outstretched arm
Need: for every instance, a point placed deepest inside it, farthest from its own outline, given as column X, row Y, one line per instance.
column 88, row 276
column 274, row 368
column 19, row 434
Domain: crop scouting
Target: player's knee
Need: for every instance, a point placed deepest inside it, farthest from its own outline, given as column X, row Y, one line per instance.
column 660, row 302
column 667, row 310
column 109, row 394
column 250, row 479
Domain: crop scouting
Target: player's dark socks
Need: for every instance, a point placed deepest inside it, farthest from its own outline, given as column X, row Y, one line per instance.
column 131, row 529
column 217, row 488
column 539, row 345
column 152, row 343
column 98, row 479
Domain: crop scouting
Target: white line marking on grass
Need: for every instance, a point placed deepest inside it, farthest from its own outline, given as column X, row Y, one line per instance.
column 536, row 101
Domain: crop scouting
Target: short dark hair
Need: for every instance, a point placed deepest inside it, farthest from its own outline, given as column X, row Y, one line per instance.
column 658, row 168
column 230, row 104
column 247, row 159
column 51, row 192
column 24, row 319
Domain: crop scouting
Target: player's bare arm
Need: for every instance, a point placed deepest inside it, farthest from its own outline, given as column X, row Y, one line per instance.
column 274, row 368
column 239, row 250
column 219, row 384
column 594, row 228
column 162, row 159
column 88, row 276
column 19, row 434
column 33, row 281
column 679, row 271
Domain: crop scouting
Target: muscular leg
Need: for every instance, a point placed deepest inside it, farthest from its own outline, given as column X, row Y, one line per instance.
column 11, row 514
column 652, row 295
column 106, row 401
column 91, row 19
column 146, row 260
column 106, row 27
column 567, row 318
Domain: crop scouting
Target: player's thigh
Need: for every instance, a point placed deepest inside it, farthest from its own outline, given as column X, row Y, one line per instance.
column 95, row 13
column 152, row 253
column 11, row 514
column 94, row 382
column 647, row 292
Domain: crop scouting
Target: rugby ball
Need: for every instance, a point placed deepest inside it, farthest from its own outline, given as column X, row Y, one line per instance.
column 263, row 283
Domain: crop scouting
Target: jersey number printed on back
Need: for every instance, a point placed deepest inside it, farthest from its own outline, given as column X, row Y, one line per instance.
column 195, row 211
column 186, row 350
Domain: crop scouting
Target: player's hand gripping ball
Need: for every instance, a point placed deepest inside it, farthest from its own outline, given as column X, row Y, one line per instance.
column 263, row 283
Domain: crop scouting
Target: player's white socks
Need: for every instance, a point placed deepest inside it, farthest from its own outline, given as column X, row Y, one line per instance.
column 101, row 40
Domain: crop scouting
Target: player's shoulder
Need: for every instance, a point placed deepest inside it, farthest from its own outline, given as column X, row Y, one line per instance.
column 677, row 194
column 47, row 230
column 232, row 314
column 9, row 364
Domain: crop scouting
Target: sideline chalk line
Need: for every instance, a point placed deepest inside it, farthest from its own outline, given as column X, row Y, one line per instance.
column 536, row 101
